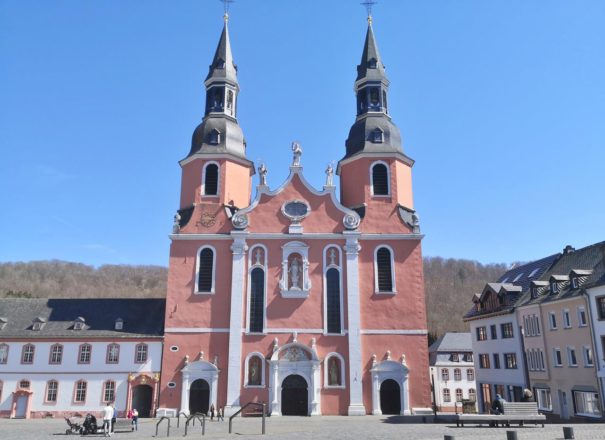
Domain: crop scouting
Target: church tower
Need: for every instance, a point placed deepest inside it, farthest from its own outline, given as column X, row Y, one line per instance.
column 375, row 174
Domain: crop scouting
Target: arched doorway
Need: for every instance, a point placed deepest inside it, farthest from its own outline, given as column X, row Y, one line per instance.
column 390, row 397
column 199, row 397
column 294, row 396
column 142, row 399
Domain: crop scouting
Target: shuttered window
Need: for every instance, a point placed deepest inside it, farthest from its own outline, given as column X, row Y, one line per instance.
column 384, row 270
column 211, row 180
column 204, row 281
column 380, row 185
column 333, row 300
column 257, row 300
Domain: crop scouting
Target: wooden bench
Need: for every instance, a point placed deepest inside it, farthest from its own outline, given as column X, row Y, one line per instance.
column 514, row 412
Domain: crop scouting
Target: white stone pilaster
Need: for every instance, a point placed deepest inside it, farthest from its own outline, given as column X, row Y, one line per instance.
column 234, row 363
column 352, row 249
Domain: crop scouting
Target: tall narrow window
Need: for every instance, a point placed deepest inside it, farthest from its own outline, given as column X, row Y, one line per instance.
column 211, row 180
column 458, row 394
column 56, row 354
column 472, row 394
column 140, row 353
column 52, row 387
column 80, row 392
column 333, row 300
column 457, row 374
column 109, row 391
column 27, row 354
column 3, row 353
column 445, row 374
column 205, row 277
column 446, row 395
column 113, row 353
column 380, row 180
column 84, row 353
column 257, row 300
column 384, row 271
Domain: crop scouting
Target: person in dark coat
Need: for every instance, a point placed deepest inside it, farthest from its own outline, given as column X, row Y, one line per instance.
column 497, row 407
column 527, row 396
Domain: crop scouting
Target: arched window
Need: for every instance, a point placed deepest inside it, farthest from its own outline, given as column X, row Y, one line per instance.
column 333, row 300
column 210, row 187
column 27, row 354
column 257, row 300
column 458, row 394
column 52, row 388
column 457, row 374
column 140, row 353
column 113, row 354
column 56, row 354
column 84, row 353
column 334, row 371
column 446, row 395
column 384, row 270
column 445, row 374
column 80, row 391
column 470, row 374
column 205, row 271
column 109, row 391
column 472, row 394
column 380, row 179
column 255, row 370
column 3, row 353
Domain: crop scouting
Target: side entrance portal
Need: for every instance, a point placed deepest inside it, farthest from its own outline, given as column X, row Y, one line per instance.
column 142, row 399
column 390, row 397
column 294, row 396
column 199, row 397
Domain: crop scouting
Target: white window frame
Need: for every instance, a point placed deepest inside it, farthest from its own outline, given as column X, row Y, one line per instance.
column 470, row 372
column 252, row 264
column 582, row 312
column 585, row 351
column 326, row 267
column 552, row 324
column 262, row 371
column 393, row 286
column 571, row 349
column 4, row 348
column 218, row 180
column 541, row 395
column 566, row 318
column 342, row 370
column 197, row 270
column 595, row 405
column 388, row 194
column 555, row 361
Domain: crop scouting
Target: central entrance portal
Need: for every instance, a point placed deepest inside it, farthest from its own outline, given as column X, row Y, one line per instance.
column 294, row 396
column 142, row 396
column 199, row 397
column 390, row 397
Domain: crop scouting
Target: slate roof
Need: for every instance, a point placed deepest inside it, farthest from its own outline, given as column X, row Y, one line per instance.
column 590, row 258
column 452, row 342
column 142, row 317
column 516, row 276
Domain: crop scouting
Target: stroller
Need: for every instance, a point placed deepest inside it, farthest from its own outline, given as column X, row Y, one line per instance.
column 90, row 425
column 74, row 428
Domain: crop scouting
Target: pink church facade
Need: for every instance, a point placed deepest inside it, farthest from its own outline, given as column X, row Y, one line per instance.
column 297, row 299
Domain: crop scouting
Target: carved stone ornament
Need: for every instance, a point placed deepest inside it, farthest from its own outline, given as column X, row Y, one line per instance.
column 207, row 219
column 240, row 221
column 294, row 354
column 351, row 221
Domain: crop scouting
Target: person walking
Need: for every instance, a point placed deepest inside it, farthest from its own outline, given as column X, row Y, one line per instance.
column 220, row 414
column 212, row 412
column 135, row 419
column 113, row 416
column 107, row 415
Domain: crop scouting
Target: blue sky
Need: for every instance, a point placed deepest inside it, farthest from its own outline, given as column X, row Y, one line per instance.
column 501, row 104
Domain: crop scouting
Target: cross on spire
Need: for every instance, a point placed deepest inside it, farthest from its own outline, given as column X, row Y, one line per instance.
column 226, row 5
column 368, row 5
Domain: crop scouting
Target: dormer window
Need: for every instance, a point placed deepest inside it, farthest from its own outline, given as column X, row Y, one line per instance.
column 377, row 136
column 119, row 324
column 575, row 283
column 455, row 357
column 372, row 63
column 214, row 137
column 79, row 323
column 38, row 324
column 554, row 287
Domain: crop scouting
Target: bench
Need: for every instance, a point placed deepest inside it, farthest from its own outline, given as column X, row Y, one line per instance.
column 514, row 412
column 122, row 425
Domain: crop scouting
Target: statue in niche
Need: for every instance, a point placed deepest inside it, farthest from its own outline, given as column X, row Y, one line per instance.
column 258, row 254
column 297, row 151
column 333, row 372
column 262, row 172
column 332, row 256
column 254, row 371
column 295, row 272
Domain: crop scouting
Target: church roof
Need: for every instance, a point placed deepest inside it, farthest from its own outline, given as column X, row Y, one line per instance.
column 223, row 66
column 371, row 67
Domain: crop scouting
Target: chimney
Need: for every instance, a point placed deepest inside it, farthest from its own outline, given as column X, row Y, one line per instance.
column 568, row 249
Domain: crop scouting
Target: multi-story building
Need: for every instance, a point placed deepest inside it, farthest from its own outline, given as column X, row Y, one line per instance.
column 71, row 356
column 312, row 304
column 558, row 336
column 596, row 298
column 497, row 349
column 452, row 371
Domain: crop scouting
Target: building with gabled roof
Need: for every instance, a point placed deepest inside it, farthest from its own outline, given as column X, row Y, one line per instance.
column 63, row 356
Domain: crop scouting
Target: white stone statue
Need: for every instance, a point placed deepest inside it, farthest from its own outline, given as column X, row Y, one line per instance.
column 295, row 271
column 176, row 225
column 262, row 172
column 329, row 175
column 297, row 151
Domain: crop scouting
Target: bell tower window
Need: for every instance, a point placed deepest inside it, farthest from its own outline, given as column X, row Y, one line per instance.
column 383, row 266
column 210, row 186
column 380, row 179
column 205, row 271
column 374, row 98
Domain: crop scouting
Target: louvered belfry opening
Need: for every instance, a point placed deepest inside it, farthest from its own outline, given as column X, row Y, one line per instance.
column 333, row 300
column 380, row 185
column 385, row 275
column 257, row 299
column 211, row 180
column 204, row 282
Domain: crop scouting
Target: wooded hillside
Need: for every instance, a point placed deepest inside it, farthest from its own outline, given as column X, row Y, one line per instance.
column 450, row 284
